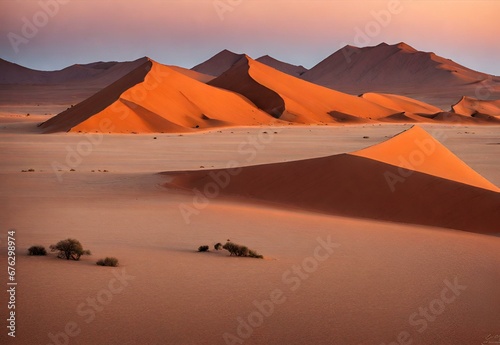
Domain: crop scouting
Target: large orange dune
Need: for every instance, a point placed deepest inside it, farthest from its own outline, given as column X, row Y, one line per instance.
column 437, row 189
column 158, row 98
column 292, row 99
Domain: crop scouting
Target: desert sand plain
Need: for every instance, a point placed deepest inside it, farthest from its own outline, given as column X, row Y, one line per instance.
column 378, row 274
column 377, row 218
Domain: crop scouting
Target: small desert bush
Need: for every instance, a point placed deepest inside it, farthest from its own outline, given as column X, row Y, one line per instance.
column 239, row 250
column 69, row 249
column 218, row 246
column 37, row 250
column 203, row 248
column 108, row 261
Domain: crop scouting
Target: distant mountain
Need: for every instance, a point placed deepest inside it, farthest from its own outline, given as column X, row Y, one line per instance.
column 383, row 65
column 97, row 73
column 218, row 63
column 224, row 60
column 284, row 67
column 398, row 69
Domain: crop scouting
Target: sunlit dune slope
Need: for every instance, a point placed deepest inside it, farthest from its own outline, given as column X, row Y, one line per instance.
column 442, row 191
column 416, row 150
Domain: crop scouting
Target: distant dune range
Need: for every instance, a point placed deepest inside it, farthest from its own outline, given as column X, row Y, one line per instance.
column 257, row 92
column 370, row 183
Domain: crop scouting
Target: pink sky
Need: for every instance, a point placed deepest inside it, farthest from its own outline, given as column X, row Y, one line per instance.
column 190, row 31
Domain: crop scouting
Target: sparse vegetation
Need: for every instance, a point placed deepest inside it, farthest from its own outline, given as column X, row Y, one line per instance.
column 218, row 246
column 203, row 248
column 108, row 261
column 37, row 250
column 239, row 250
column 69, row 249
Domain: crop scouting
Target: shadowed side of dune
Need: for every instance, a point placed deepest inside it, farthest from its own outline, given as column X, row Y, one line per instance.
column 238, row 79
column 96, row 103
column 355, row 186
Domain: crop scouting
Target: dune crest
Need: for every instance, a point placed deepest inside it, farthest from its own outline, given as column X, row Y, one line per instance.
column 416, row 150
column 441, row 192
column 471, row 107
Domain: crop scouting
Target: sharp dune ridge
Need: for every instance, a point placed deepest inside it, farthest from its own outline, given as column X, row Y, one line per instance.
column 359, row 185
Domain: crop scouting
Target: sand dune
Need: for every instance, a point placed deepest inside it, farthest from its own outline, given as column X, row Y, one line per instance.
column 157, row 98
column 292, row 99
column 416, row 150
column 401, row 103
column 369, row 184
column 472, row 107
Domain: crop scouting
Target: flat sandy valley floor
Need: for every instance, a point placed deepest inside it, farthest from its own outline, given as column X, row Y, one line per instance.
column 325, row 279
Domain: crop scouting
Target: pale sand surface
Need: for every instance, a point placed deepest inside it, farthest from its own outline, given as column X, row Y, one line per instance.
column 364, row 293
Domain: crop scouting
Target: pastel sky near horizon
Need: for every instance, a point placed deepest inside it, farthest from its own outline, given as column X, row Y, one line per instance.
column 187, row 32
